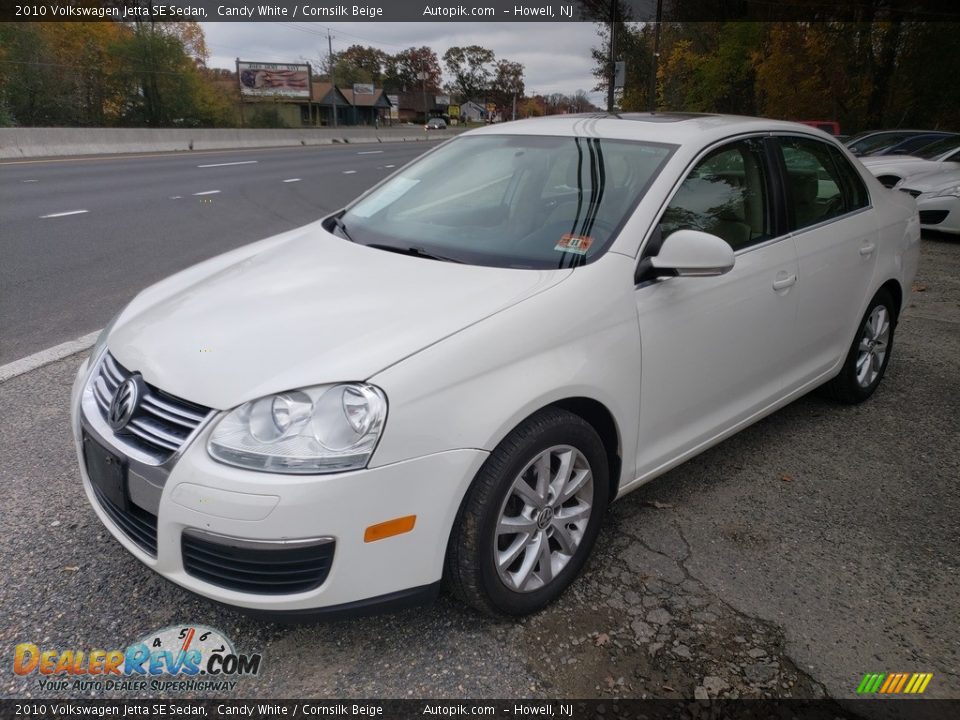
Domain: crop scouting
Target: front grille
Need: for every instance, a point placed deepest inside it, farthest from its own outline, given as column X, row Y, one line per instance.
column 274, row 571
column 933, row 217
column 162, row 422
column 912, row 193
column 136, row 523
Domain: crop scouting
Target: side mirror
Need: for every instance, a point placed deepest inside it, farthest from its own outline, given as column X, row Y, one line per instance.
column 691, row 253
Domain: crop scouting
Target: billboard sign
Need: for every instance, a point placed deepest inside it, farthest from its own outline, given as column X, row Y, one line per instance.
column 363, row 88
column 442, row 100
column 394, row 106
column 274, row 80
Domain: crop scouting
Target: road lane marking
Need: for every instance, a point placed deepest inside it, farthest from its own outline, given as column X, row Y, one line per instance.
column 239, row 162
column 64, row 214
column 45, row 357
column 207, row 192
column 30, row 181
column 370, row 152
column 293, row 180
column 349, row 172
column 176, row 197
column 389, row 166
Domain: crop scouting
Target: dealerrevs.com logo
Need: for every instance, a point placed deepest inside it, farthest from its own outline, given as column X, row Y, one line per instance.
column 181, row 658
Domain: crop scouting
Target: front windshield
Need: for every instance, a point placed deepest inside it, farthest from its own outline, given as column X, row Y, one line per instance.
column 510, row 200
column 876, row 142
column 941, row 147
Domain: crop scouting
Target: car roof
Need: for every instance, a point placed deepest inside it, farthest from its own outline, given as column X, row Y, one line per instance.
column 665, row 127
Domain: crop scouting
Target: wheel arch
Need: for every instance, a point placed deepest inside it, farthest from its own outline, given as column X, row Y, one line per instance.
column 893, row 287
column 598, row 416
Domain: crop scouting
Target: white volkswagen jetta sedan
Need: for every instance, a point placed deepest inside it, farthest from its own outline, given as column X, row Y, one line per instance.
column 451, row 379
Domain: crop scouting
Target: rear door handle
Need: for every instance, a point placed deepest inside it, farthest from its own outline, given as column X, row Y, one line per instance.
column 867, row 249
column 784, row 283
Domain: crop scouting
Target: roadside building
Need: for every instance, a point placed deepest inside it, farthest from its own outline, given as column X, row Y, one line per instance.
column 367, row 108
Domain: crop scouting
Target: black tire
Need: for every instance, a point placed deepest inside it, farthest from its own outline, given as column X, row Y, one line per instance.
column 471, row 574
column 845, row 387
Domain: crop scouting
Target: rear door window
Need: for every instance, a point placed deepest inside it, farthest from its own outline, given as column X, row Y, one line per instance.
column 820, row 184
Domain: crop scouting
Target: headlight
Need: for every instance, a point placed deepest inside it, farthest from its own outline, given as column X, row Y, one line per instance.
column 323, row 429
column 954, row 191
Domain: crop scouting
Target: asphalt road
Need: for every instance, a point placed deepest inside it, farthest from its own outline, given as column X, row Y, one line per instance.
column 816, row 546
column 65, row 273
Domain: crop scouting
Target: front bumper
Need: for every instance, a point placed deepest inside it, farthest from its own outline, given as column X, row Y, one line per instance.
column 200, row 494
column 939, row 213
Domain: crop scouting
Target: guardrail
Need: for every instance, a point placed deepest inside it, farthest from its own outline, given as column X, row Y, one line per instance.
column 59, row 142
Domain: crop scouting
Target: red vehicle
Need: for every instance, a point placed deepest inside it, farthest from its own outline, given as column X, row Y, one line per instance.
column 828, row 126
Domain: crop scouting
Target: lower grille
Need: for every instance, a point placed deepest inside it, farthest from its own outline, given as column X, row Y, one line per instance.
column 137, row 524
column 267, row 571
column 933, row 217
column 912, row 193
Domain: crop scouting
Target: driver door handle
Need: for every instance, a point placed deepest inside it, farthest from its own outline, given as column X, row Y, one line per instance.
column 784, row 283
column 867, row 248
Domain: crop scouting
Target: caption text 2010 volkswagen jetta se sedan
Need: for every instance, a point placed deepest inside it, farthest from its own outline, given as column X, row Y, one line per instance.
column 451, row 379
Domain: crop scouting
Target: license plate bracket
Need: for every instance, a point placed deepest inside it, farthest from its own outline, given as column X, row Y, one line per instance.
column 107, row 471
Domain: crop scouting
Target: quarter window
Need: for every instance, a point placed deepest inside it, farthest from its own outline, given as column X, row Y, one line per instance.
column 725, row 195
column 820, row 183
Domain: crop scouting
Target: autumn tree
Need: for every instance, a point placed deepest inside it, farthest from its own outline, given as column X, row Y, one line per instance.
column 471, row 68
column 403, row 70
column 507, row 83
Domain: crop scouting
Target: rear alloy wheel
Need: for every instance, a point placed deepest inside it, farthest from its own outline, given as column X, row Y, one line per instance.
column 869, row 354
column 531, row 517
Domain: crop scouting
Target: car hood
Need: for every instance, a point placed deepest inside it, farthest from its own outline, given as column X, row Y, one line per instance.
column 887, row 162
column 931, row 182
column 303, row 308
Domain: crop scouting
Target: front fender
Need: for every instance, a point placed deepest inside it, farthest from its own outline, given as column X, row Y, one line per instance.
column 578, row 339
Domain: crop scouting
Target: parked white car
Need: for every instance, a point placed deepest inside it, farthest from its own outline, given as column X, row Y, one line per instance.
column 451, row 379
column 943, row 155
column 938, row 199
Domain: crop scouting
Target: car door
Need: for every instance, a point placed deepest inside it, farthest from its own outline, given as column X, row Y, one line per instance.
column 714, row 348
column 836, row 236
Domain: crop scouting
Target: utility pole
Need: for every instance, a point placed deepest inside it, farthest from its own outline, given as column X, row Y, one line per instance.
column 422, row 76
column 613, row 54
column 333, row 81
column 656, row 58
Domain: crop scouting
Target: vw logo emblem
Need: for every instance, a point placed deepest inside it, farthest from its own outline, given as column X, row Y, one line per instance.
column 124, row 403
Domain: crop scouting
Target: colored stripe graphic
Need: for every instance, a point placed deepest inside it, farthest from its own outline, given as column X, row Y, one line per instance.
column 894, row 683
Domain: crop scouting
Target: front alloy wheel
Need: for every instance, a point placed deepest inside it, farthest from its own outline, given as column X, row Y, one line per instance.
column 543, row 518
column 531, row 516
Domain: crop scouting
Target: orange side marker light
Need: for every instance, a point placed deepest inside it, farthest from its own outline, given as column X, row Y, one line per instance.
column 383, row 530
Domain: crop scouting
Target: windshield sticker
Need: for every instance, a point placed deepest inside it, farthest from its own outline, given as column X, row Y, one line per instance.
column 577, row 244
column 392, row 191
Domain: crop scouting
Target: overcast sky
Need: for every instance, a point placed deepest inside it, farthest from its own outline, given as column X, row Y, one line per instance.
column 555, row 56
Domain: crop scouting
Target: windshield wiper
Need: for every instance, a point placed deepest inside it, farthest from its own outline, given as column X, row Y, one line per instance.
column 339, row 225
column 414, row 251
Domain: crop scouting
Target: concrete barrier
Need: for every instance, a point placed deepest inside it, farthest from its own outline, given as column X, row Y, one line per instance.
column 59, row 142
